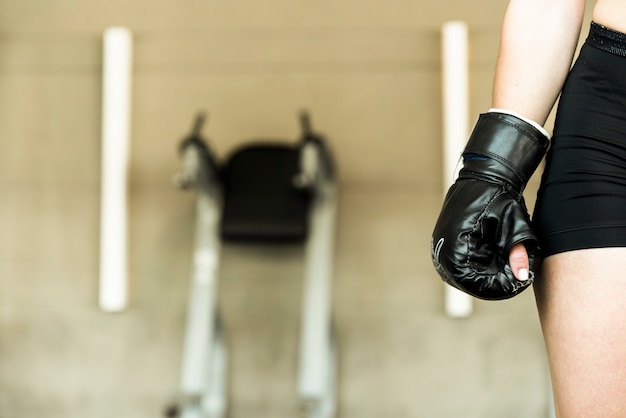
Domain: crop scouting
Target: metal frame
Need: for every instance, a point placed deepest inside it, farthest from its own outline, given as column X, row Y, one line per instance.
column 203, row 383
column 317, row 366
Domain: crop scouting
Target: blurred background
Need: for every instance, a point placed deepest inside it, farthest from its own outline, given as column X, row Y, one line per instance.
column 369, row 72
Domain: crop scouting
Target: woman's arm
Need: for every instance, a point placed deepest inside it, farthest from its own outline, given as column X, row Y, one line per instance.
column 538, row 42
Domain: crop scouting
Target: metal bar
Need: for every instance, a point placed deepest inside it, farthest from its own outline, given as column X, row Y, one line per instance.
column 316, row 371
column 203, row 373
column 214, row 401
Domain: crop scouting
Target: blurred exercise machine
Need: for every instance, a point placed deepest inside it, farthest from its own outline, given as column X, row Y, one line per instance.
column 265, row 193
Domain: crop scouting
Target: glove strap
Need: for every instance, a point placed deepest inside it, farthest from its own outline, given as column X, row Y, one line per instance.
column 532, row 122
column 511, row 141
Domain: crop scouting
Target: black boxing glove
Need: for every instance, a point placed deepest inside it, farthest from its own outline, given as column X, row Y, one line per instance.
column 484, row 214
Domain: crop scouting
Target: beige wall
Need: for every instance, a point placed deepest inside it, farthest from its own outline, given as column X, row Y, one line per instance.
column 369, row 72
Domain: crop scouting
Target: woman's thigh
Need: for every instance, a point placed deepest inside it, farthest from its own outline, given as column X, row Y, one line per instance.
column 581, row 296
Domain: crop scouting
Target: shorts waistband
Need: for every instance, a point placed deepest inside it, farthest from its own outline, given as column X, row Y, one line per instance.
column 607, row 39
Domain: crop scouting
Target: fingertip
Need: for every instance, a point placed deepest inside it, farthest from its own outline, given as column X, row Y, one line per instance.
column 518, row 260
column 522, row 274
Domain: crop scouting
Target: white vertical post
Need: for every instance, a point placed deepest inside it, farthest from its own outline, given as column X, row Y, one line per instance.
column 456, row 128
column 116, row 104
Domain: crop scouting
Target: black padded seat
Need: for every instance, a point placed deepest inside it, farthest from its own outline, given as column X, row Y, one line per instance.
column 261, row 203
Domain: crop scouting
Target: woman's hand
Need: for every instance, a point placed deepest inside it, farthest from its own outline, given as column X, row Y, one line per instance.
column 518, row 260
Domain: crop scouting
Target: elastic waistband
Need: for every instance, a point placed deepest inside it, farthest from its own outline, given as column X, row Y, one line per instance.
column 607, row 39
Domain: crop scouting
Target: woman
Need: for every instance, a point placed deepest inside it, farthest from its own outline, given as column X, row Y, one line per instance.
column 580, row 215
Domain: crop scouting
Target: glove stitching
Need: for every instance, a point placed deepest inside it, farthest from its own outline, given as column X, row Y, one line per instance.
column 530, row 134
column 507, row 163
column 476, row 227
column 497, row 181
column 518, row 286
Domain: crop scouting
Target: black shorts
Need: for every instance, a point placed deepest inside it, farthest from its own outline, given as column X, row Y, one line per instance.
column 582, row 197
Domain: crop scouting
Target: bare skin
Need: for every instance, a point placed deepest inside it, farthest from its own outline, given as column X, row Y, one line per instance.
column 581, row 295
column 611, row 13
column 535, row 102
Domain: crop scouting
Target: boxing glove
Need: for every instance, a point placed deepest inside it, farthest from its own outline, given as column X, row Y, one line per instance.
column 484, row 214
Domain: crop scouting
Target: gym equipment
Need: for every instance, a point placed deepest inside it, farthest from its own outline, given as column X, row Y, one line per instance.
column 267, row 192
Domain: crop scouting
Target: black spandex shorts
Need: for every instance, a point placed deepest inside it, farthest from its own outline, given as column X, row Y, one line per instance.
column 582, row 197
